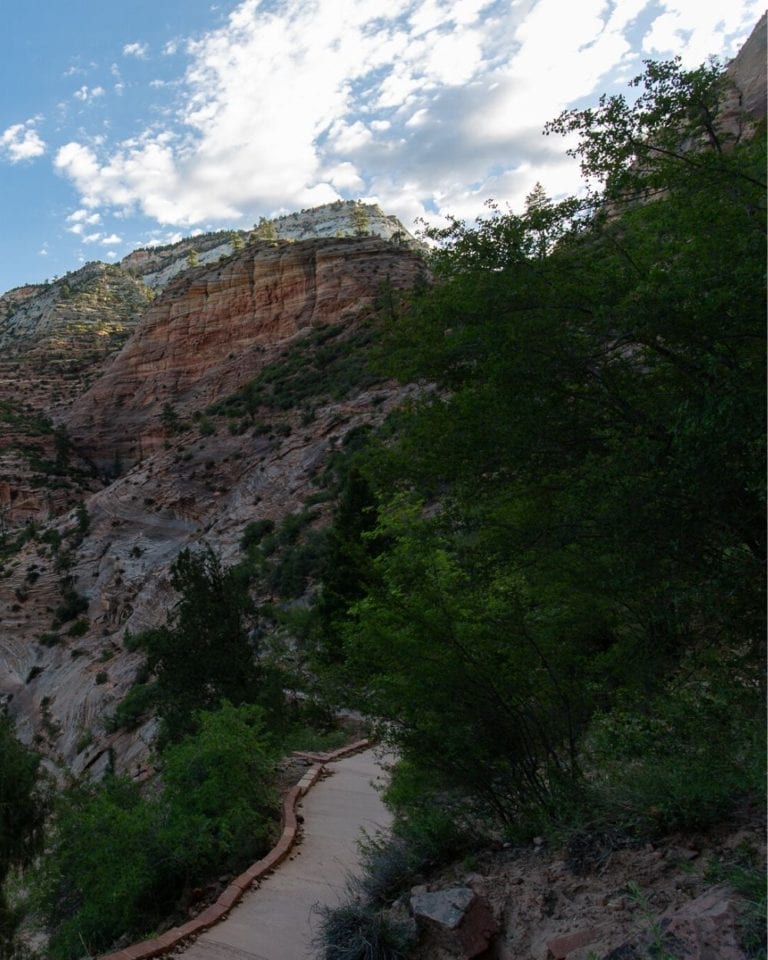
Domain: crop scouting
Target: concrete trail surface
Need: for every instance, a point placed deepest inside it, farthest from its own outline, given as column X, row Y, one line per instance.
column 276, row 920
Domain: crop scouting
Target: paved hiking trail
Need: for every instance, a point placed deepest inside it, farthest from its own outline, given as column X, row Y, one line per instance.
column 276, row 920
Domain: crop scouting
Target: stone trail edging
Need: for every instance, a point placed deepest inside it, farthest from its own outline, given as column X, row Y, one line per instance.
column 232, row 894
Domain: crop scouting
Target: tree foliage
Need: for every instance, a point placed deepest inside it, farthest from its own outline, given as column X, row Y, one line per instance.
column 575, row 515
column 203, row 654
column 22, row 815
column 118, row 862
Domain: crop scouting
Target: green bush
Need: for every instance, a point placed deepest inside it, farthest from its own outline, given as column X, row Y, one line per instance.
column 254, row 533
column 134, row 708
column 71, row 606
column 219, row 791
column 681, row 760
column 291, row 574
column 355, row 931
column 23, row 809
column 216, row 811
column 78, row 629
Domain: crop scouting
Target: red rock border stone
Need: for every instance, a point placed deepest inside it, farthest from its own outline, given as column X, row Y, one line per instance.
column 234, row 892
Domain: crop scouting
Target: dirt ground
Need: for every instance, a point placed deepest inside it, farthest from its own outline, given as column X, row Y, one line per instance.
column 625, row 903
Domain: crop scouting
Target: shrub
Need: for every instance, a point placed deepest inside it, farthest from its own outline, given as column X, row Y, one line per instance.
column 255, row 532
column 355, row 931
column 72, row 604
column 50, row 639
column 216, row 812
column 682, row 759
column 134, row 708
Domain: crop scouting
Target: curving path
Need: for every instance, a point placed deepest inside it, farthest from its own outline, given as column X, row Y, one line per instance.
column 276, row 920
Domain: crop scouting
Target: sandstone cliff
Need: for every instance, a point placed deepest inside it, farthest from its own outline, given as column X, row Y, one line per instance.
column 53, row 340
column 212, row 330
column 157, row 266
column 72, row 590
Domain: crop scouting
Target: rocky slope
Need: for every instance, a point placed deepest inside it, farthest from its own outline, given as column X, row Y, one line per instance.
column 77, row 584
column 677, row 898
column 53, row 340
column 213, row 328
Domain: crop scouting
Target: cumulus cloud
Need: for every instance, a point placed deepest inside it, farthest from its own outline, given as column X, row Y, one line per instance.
column 138, row 50
column 86, row 93
column 696, row 29
column 429, row 106
column 21, row 141
column 80, row 220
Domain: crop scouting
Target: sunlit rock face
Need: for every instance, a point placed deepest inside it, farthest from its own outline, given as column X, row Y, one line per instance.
column 213, row 328
column 747, row 72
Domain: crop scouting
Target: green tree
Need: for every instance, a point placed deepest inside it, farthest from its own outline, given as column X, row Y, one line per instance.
column 23, row 809
column 219, row 789
column 203, row 655
column 360, row 220
column 264, row 230
column 193, row 257
column 170, row 419
column 216, row 811
column 579, row 517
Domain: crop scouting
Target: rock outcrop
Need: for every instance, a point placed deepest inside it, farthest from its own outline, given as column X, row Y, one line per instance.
column 746, row 72
column 53, row 340
column 214, row 328
column 79, row 582
column 157, row 266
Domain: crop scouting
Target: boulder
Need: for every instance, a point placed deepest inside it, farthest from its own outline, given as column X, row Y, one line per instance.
column 459, row 920
column 706, row 928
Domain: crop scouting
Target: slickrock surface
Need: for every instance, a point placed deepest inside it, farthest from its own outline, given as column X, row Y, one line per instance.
column 277, row 921
column 60, row 693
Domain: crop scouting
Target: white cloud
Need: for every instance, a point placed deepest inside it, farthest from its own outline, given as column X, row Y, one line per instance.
column 344, row 176
column 111, row 240
column 695, row 29
column 429, row 105
column 138, row 50
column 21, row 141
column 86, row 93
column 80, row 220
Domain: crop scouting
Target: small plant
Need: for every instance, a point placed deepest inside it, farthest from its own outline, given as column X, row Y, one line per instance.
column 746, row 874
column 136, row 706
column 355, row 931
column 255, row 532
column 79, row 628
column 50, row 639
column 72, row 604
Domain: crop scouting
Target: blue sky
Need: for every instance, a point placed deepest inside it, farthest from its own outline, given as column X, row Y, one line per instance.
column 124, row 124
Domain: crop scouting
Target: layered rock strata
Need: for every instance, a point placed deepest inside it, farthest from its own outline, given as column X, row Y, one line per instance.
column 213, row 328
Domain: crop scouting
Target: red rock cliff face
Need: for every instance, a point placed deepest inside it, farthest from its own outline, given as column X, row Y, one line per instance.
column 214, row 327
